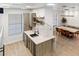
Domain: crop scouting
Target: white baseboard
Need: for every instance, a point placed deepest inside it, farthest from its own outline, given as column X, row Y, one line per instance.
column 13, row 39
column 12, row 42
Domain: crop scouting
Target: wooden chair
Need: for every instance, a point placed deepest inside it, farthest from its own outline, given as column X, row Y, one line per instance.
column 62, row 32
column 58, row 30
column 77, row 33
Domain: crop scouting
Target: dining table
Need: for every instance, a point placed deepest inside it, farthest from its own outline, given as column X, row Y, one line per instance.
column 68, row 31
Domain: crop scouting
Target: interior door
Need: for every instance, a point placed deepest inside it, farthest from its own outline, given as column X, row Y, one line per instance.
column 26, row 21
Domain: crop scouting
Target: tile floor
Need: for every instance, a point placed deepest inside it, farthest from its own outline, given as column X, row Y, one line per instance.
column 64, row 47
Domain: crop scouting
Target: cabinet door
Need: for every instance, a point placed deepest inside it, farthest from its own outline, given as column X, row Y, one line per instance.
column 1, row 53
column 25, row 39
column 31, row 46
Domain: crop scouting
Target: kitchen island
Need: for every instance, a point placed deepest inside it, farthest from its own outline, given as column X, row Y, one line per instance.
column 39, row 45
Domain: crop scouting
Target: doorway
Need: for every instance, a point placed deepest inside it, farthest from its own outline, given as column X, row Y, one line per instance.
column 26, row 21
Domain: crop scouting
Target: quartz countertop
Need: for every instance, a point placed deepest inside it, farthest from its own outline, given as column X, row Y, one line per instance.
column 38, row 39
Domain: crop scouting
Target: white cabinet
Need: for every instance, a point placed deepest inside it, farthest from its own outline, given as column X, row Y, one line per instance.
column 1, row 42
column 1, row 53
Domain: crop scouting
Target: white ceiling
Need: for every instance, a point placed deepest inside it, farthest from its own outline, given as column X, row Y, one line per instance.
column 23, row 5
column 38, row 5
column 73, row 6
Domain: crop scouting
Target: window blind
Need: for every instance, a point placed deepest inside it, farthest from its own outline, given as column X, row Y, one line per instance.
column 14, row 24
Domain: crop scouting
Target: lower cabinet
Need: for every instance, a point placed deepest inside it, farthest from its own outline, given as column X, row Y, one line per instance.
column 24, row 39
column 42, row 49
column 1, row 53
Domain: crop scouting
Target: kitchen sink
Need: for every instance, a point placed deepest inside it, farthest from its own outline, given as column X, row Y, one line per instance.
column 33, row 35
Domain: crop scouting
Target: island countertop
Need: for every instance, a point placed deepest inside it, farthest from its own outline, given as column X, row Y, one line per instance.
column 38, row 39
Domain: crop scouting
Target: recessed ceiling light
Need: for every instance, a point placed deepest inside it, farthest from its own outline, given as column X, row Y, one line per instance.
column 51, row 4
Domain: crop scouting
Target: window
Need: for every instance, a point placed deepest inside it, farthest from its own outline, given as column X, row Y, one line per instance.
column 14, row 24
